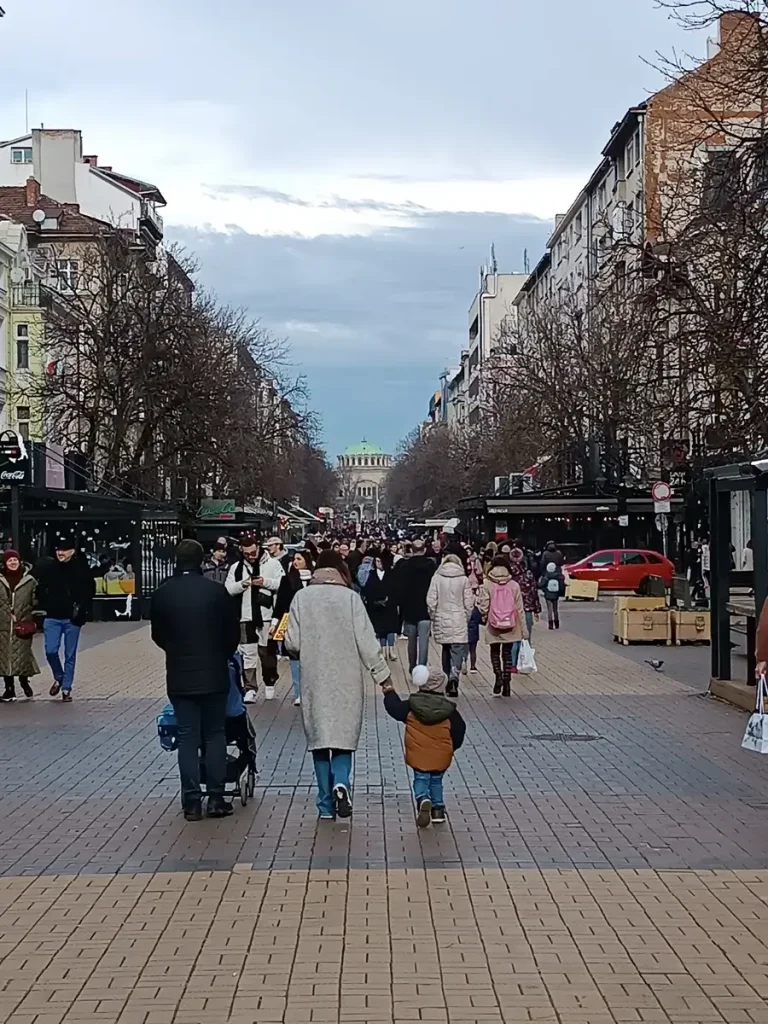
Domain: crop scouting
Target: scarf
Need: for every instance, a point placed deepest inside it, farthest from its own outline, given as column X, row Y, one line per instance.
column 305, row 576
column 332, row 576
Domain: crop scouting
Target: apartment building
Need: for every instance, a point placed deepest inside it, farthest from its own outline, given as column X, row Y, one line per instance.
column 464, row 394
column 55, row 159
column 623, row 212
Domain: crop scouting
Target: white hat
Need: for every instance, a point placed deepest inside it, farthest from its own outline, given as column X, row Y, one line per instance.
column 420, row 675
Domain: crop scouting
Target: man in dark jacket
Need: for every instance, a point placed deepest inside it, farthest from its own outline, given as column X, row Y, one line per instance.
column 412, row 579
column 216, row 568
column 194, row 622
column 65, row 592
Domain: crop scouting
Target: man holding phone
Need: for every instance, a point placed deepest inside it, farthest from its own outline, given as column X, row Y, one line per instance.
column 254, row 588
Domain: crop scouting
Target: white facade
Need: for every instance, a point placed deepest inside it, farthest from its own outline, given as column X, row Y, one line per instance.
column 492, row 316
column 55, row 159
column 605, row 221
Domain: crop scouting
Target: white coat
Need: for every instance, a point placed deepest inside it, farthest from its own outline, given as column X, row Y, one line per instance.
column 450, row 602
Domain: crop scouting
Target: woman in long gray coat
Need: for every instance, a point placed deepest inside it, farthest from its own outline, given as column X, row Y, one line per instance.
column 330, row 631
column 17, row 602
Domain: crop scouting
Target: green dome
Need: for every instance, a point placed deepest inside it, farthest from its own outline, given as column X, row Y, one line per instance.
column 364, row 448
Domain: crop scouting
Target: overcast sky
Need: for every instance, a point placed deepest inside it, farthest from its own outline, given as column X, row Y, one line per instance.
column 341, row 168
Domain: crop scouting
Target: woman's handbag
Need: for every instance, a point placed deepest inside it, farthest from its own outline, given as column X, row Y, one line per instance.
column 25, row 630
column 756, row 735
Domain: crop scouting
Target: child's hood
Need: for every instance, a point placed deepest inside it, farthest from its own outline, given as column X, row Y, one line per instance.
column 431, row 708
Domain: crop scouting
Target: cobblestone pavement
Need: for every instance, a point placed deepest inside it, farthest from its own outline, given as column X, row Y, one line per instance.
column 605, row 860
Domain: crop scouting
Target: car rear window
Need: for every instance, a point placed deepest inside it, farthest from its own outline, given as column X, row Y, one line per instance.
column 656, row 559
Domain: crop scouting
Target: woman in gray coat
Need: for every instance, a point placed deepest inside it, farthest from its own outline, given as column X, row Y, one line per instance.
column 329, row 629
column 17, row 625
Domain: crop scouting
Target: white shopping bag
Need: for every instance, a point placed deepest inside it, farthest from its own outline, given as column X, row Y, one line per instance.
column 526, row 662
column 756, row 736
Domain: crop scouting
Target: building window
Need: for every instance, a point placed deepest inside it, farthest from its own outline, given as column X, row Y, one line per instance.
column 22, row 346
column 68, row 271
column 21, row 155
column 22, row 420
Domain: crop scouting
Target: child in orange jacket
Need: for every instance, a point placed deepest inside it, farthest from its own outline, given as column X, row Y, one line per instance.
column 434, row 729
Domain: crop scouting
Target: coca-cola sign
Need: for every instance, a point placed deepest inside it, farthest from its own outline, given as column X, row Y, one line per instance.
column 14, row 458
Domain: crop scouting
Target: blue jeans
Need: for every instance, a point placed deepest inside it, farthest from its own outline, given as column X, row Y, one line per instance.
column 388, row 640
column 332, row 768
column 54, row 630
column 428, row 784
column 516, row 644
column 296, row 677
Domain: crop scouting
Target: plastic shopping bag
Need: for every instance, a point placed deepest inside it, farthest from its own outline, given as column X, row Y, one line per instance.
column 526, row 662
column 756, row 736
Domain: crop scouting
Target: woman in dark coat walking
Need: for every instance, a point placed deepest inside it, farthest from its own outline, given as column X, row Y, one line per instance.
column 298, row 576
column 380, row 599
column 17, row 626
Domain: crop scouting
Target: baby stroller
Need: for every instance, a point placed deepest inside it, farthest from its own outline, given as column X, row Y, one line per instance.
column 241, row 740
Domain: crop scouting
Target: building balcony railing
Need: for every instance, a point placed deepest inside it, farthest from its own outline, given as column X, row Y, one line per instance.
column 151, row 219
column 27, row 294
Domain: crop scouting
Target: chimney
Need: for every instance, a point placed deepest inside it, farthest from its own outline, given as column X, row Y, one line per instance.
column 92, row 160
column 32, row 190
column 735, row 27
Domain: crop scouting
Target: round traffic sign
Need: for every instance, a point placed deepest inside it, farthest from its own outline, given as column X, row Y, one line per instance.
column 661, row 491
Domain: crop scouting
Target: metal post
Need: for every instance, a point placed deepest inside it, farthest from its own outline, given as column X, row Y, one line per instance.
column 16, row 518
column 720, row 562
column 759, row 535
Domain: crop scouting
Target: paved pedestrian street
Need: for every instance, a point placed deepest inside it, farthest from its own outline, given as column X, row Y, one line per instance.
column 605, row 860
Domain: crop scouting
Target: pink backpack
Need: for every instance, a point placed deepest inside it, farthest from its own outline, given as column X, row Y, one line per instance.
column 501, row 614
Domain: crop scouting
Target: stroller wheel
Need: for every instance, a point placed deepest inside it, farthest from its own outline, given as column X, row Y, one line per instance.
column 243, row 790
column 251, row 783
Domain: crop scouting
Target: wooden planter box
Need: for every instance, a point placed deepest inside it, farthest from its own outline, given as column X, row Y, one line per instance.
column 644, row 626
column 634, row 604
column 582, row 590
column 690, row 627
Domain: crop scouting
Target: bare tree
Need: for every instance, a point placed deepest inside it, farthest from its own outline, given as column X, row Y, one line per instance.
column 154, row 382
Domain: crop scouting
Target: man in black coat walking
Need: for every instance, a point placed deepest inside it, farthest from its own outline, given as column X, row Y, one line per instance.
column 194, row 622
column 412, row 579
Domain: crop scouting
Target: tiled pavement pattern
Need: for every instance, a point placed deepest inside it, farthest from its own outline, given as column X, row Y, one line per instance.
column 620, row 877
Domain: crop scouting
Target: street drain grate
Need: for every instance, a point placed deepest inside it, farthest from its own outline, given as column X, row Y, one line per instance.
column 565, row 737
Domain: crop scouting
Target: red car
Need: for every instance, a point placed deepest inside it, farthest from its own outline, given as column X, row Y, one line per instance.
column 622, row 568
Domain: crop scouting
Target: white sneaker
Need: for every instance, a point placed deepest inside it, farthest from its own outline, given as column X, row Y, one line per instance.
column 297, row 702
column 250, row 697
column 269, row 692
column 473, row 671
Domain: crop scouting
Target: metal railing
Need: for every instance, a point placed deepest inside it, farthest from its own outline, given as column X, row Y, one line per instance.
column 148, row 212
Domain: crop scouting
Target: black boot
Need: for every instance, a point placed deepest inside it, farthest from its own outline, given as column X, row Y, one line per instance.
column 10, row 691
column 551, row 624
column 497, row 687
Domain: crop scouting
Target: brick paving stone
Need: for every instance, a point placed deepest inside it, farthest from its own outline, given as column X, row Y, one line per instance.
column 622, row 878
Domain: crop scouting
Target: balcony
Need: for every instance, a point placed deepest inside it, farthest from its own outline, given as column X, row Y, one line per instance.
column 150, row 221
column 27, row 294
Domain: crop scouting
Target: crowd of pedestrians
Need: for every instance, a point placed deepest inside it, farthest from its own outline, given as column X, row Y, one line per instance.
column 336, row 609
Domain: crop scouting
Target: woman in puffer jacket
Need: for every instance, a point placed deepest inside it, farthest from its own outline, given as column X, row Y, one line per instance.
column 450, row 602
column 500, row 601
